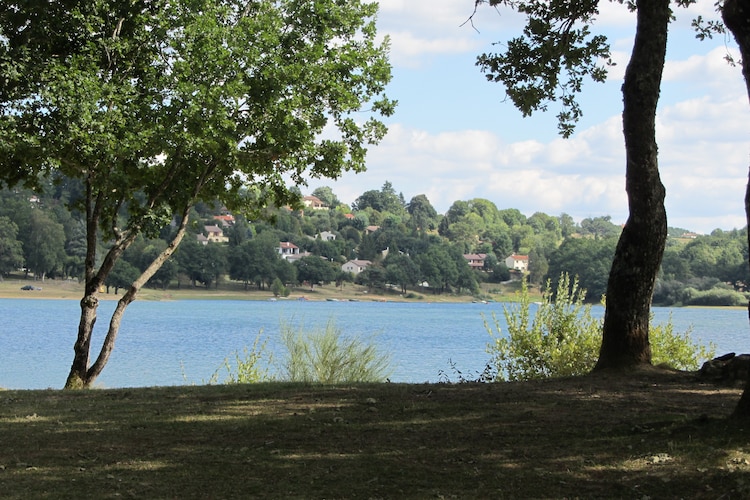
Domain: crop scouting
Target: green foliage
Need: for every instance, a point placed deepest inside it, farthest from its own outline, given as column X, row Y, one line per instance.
column 563, row 339
column 677, row 350
column 251, row 365
column 11, row 250
column 590, row 259
column 713, row 297
column 155, row 106
column 278, row 288
column 326, row 356
column 550, row 59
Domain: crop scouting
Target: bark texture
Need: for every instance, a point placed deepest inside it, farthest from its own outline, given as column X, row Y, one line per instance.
column 736, row 14
column 82, row 375
column 641, row 245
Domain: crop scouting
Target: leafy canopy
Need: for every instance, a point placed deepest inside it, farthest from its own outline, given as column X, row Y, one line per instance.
column 155, row 104
column 554, row 55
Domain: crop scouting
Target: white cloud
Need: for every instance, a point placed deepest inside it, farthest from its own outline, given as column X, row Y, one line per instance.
column 482, row 150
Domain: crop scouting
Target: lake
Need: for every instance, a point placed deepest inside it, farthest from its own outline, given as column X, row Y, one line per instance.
column 185, row 342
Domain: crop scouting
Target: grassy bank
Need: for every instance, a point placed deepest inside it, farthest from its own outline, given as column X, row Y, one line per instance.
column 648, row 435
column 68, row 289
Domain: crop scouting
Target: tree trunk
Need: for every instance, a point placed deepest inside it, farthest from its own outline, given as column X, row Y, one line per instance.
column 641, row 246
column 124, row 302
column 82, row 376
column 736, row 14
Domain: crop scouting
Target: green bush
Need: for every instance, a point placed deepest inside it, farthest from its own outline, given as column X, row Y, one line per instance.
column 326, row 356
column 278, row 288
column 563, row 339
column 250, row 365
column 713, row 297
column 677, row 350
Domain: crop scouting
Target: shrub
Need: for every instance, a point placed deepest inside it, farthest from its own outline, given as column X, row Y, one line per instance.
column 713, row 297
column 278, row 288
column 677, row 350
column 563, row 339
column 251, row 365
column 326, row 356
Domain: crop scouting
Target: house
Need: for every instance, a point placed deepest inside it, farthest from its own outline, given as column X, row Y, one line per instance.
column 215, row 234
column 314, row 203
column 224, row 220
column 518, row 263
column 202, row 239
column 327, row 236
column 287, row 250
column 355, row 266
column 371, row 229
column 475, row 260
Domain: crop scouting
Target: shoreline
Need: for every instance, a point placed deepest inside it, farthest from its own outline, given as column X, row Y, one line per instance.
column 52, row 289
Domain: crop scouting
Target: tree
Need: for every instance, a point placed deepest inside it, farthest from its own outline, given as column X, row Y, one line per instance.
column 166, row 273
column 315, row 270
column 567, row 225
column 385, row 200
column 585, row 259
column 736, row 15
column 438, row 267
column 11, row 250
column 278, row 288
column 44, row 244
column 122, row 276
column 155, row 106
column 423, row 214
column 599, row 227
column 75, row 249
column 401, row 270
column 201, row 263
column 254, row 260
column 326, row 195
column 372, row 277
column 558, row 42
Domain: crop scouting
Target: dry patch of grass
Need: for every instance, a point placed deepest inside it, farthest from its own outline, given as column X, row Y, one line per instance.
column 232, row 290
column 70, row 289
column 649, row 434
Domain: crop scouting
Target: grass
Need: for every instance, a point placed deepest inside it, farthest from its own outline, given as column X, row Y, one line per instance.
column 231, row 290
column 647, row 434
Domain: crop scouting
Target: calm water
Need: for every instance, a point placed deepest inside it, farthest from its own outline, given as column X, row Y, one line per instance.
column 173, row 343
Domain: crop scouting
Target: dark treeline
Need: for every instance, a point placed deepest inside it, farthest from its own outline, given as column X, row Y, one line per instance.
column 407, row 247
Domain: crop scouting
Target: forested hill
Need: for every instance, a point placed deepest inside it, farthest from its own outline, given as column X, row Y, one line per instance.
column 397, row 244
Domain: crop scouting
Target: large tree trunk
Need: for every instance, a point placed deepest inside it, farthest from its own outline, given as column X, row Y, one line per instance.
column 641, row 246
column 736, row 14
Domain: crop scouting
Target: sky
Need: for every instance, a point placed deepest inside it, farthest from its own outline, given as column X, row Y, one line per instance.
column 454, row 136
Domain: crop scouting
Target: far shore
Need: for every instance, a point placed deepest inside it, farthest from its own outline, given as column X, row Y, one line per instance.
column 11, row 288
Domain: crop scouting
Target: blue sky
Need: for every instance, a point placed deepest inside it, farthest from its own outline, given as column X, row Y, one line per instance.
column 454, row 137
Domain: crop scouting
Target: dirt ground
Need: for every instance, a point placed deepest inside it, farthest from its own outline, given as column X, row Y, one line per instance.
column 647, row 434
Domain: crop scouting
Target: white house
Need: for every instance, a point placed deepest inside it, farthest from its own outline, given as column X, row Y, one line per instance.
column 518, row 263
column 287, row 250
column 327, row 236
column 355, row 266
